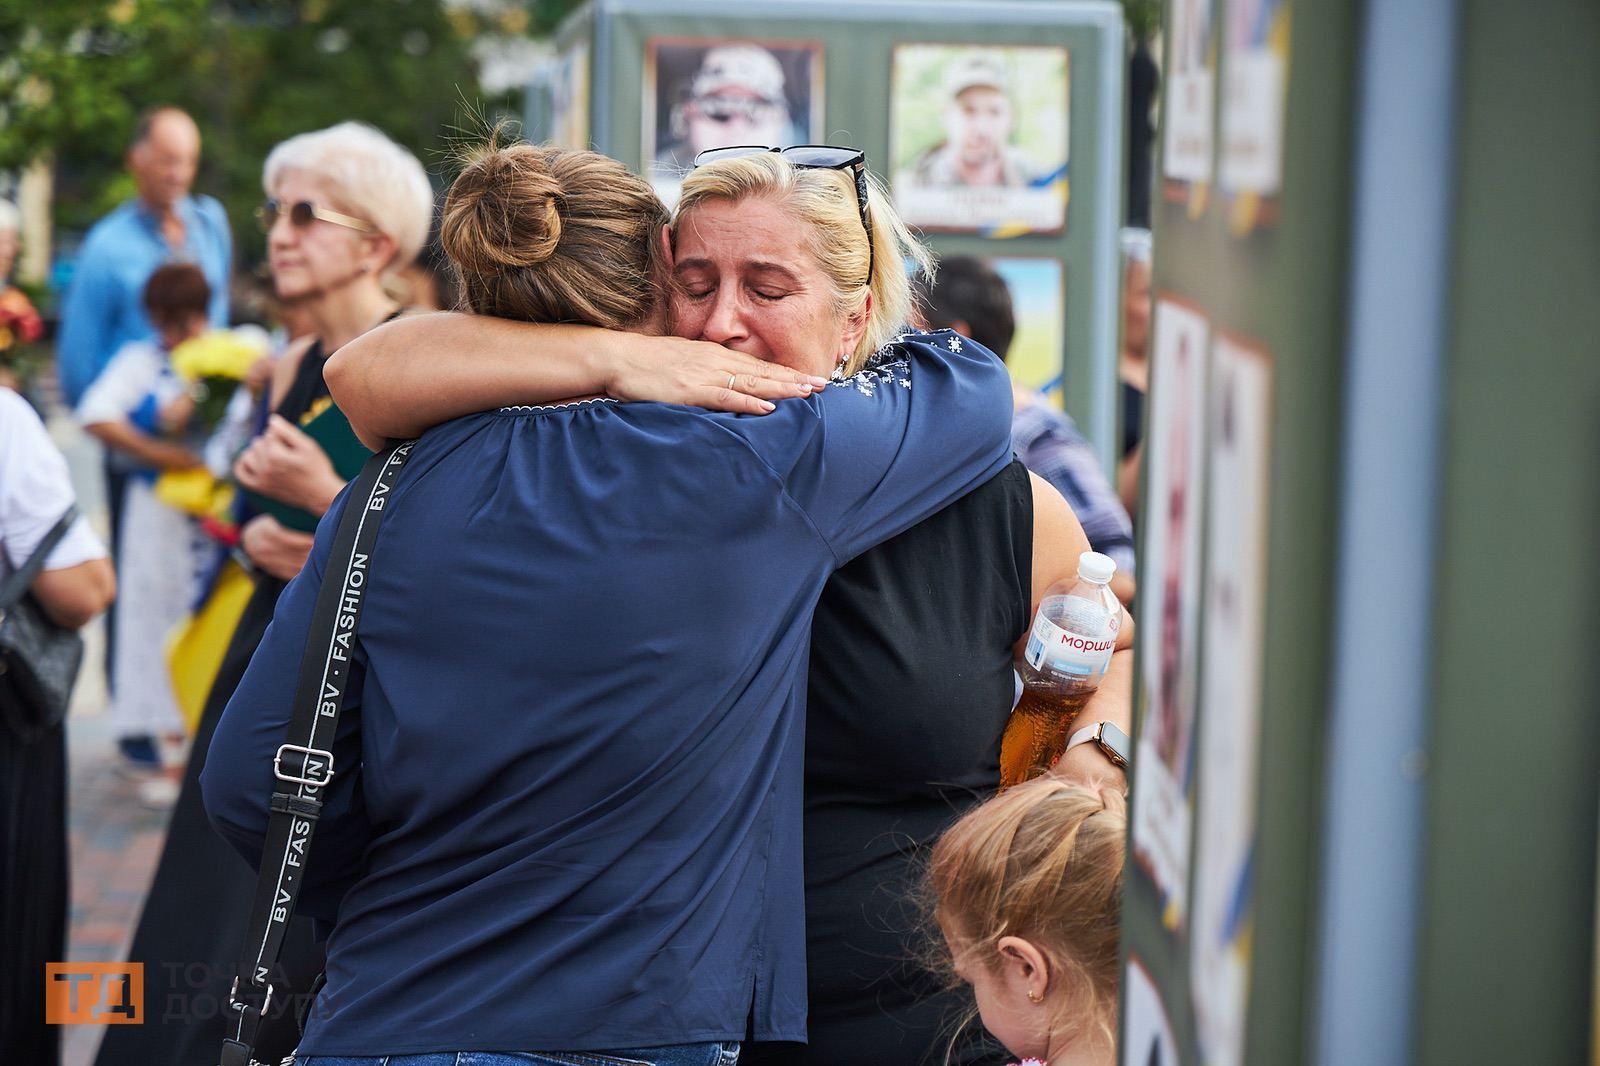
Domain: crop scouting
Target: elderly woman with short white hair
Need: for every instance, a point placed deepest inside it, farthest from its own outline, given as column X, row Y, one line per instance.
column 345, row 209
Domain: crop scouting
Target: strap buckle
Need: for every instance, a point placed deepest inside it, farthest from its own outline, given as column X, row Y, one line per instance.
column 233, row 1000
column 278, row 772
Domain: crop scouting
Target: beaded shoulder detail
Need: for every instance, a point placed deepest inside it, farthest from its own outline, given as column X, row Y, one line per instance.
column 889, row 366
column 530, row 408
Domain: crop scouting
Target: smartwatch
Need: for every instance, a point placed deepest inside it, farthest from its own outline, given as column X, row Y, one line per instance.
column 1108, row 738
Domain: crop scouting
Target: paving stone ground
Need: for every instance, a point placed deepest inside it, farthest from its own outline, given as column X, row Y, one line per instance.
column 116, row 842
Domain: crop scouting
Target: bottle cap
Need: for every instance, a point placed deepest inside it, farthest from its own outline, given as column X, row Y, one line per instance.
column 1092, row 566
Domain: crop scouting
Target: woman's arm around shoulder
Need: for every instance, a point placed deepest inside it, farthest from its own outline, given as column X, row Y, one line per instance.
column 876, row 453
column 406, row 376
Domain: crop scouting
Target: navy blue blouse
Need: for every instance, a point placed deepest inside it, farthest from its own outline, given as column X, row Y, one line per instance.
column 569, row 801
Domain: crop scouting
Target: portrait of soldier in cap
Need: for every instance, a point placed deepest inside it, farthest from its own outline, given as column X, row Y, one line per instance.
column 979, row 136
column 729, row 93
column 979, row 120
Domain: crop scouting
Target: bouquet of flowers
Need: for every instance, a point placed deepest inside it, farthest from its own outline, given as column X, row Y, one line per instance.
column 214, row 364
column 20, row 326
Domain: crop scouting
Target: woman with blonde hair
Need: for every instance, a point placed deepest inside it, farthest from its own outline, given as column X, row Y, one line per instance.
column 346, row 209
column 564, row 819
column 910, row 670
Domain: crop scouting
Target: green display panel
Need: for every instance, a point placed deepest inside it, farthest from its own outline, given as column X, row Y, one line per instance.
column 1507, row 932
column 1238, row 514
column 1414, row 282
column 884, row 76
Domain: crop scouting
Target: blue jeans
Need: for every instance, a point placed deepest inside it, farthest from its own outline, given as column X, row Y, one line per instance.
column 676, row 1055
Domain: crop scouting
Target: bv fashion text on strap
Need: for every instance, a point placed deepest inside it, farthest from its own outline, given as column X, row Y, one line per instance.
column 303, row 765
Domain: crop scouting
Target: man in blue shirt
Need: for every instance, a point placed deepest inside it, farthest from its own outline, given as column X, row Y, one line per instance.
column 104, row 308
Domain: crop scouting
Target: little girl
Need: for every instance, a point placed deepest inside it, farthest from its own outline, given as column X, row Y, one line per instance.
column 1027, row 892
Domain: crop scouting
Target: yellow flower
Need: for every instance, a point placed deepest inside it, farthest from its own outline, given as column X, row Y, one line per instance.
column 218, row 354
column 195, row 492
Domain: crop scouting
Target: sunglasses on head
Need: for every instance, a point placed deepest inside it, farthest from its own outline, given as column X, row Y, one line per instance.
column 811, row 157
column 303, row 212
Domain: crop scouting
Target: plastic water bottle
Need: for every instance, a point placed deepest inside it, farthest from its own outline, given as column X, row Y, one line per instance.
column 1068, row 652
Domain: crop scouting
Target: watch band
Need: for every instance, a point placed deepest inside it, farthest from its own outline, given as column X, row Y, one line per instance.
column 1095, row 733
column 1083, row 736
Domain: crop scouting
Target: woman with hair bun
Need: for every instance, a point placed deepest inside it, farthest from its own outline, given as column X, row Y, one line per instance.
column 910, row 680
column 564, row 824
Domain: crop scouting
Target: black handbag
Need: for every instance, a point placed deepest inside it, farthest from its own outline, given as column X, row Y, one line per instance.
column 39, row 660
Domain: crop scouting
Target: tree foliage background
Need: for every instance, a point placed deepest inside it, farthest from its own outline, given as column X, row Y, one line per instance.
column 75, row 74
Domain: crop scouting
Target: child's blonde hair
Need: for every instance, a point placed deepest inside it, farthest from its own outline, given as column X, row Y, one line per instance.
column 1042, row 862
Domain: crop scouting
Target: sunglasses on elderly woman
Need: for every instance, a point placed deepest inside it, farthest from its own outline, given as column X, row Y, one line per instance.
column 811, row 157
column 303, row 212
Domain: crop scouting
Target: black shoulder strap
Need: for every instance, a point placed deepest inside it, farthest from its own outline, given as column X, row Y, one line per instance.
column 14, row 586
column 303, row 765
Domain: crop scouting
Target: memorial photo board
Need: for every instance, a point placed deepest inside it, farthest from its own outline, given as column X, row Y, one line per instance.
column 1187, row 105
column 1169, row 593
column 979, row 137
column 1239, row 463
column 1038, row 296
column 712, row 92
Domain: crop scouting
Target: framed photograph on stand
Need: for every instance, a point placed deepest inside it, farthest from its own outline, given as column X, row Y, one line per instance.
column 979, row 137
column 702, row 92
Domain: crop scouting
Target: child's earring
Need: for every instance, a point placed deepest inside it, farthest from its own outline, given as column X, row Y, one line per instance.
column 1035, row 997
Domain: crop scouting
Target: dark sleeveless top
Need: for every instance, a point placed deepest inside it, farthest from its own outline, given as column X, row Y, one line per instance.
column 307, row 404
column 1132, row 417
column 910, row 688
column 308, row 385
